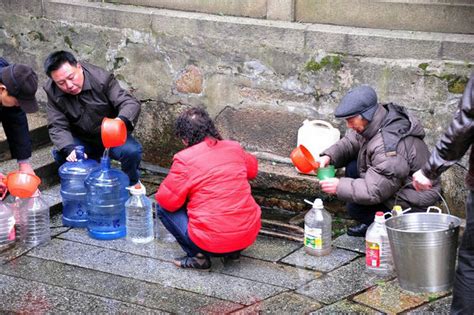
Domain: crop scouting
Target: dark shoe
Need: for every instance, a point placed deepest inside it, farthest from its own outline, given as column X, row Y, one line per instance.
column 231, row 258
column 198, row 262
column 358, row 230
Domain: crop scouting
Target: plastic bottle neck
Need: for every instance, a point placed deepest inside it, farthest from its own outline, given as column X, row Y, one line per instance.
column 105, row 163
column 79, row 152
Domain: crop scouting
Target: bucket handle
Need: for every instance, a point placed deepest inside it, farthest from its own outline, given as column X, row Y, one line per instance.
column 320, row 122
column 440, row 211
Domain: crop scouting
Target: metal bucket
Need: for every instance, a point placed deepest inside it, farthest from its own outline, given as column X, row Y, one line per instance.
column 424, row 249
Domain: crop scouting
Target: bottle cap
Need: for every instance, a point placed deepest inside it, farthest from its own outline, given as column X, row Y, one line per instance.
column 318, row 203
column 137, row 189
column 379, row 216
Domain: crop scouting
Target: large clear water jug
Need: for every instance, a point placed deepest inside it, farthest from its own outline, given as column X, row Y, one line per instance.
column 139, row 216
column 14, row 203
column 7, row 227
column 378, row 256
column 106, row 197
column 317, row 136
column 73, row 190
column 34, row 220
column 317, row 230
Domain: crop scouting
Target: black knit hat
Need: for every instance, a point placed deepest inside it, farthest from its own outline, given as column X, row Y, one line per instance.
column 21, row 82
column 361, row 100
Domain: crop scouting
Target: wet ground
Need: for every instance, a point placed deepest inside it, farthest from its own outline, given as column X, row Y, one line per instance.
column 74, row 273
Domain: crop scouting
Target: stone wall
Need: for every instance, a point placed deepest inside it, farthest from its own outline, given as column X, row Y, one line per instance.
column 258, row 78
column 447, row 16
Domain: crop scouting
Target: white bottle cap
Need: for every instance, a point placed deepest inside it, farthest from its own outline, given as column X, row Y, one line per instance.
column 137, row 189
column 318, row 203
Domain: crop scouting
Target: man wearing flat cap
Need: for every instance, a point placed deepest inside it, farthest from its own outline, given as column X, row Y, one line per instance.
column 18, row 84
column 382, row 148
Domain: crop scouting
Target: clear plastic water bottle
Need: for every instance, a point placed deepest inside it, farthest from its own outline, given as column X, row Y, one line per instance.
column 317, row 230
column 378, row 256
column 106, row 197
column 139, row 215
column 73, row 191
column 13, row 203
column 34, row 220
column 7, row 227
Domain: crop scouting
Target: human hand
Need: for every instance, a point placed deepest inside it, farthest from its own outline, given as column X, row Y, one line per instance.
column 72, row 156
column 329, row 186
column 26, row 168
column 324, row 161
column 421, row 182
column 3, row 187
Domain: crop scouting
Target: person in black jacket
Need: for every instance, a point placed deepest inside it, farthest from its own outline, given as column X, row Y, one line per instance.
column 452, row 146
column 18, row 84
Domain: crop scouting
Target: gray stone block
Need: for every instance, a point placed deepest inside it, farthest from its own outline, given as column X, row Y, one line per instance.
column 267, row 272
column 441, row 306
column 337, row 258
column 22, row 296
column 341, row 283
column 356, row 244
column 271, row 249
column 99, row 14
column 281, row 10
column 156, row 271
column 346, row 307
column 284, row 303
column 23, row 7
column 110, row 286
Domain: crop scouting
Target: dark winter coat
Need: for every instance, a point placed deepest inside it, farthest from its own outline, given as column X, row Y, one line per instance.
column 456, row 141
column 388, row 152
column 81, row 115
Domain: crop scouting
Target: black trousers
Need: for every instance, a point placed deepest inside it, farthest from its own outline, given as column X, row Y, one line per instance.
column 361, row 213
column 463, row 291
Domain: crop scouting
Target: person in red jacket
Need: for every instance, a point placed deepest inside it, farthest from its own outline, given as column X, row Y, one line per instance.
column 206, row 201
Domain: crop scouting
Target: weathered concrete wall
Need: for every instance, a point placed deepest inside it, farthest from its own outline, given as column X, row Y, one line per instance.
column 447, row 16
column 259, row 79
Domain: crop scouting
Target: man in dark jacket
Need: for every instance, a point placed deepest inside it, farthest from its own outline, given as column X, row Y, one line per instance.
column 80, row 96
column 18, row 84
column 383, row 147
column 451, row 147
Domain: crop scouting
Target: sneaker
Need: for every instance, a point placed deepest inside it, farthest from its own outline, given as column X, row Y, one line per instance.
column 198, row 262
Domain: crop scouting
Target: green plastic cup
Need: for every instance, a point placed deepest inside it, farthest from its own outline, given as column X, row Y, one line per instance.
column 326, row 172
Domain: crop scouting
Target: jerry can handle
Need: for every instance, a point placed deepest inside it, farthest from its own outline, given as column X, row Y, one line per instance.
column 319, row 122
column 433, row 208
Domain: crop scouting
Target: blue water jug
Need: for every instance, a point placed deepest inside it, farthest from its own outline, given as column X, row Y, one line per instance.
column 106, row 197
column 73, row 190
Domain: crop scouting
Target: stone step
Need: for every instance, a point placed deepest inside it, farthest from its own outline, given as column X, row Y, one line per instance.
column 42, row 162
column 38, row 126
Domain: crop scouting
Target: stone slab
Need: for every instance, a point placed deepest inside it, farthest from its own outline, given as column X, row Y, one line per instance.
column 156, row 249
column 346, row 307
column 251, row 8
column 389, row 298
column 271, row 249
column 441, row 306
column 334, row 260
column 24, row 296
column 352, row 243
column 156, row 271
column 109, row 286
column 341, row 283
column 268, row 272
column 281, row 10
column 284, row 303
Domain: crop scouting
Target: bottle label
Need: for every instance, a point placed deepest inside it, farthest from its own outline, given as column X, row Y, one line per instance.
column 11, row 229
column 313, row 238
column 372, row 254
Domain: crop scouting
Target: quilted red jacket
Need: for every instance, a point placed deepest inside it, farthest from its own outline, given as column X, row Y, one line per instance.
column 212, row 177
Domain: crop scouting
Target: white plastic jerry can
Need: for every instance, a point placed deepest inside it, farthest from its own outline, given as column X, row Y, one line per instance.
column 317, row 136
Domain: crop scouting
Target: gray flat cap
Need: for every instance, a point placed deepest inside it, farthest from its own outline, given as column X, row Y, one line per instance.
column 361, row 100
